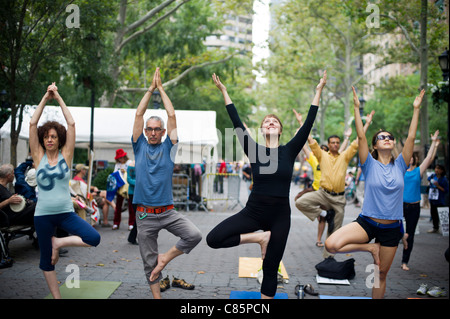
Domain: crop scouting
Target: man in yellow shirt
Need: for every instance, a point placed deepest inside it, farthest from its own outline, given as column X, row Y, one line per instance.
column 331, row 193
column 312, row 160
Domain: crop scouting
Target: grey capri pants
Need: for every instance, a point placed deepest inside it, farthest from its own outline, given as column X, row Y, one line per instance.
column 175, row 223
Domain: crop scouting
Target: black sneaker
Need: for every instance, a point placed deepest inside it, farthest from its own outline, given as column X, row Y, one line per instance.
column 330, row 220
column 164, row 284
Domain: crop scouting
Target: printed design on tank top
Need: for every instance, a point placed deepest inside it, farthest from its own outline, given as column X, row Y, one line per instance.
column 47, row 177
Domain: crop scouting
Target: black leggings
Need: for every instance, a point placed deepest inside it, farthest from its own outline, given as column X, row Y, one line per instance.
column 261, row 212
column 411, row 212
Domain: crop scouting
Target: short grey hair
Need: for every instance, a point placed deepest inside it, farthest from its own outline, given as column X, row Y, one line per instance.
column 5, row 170
column 155, row 117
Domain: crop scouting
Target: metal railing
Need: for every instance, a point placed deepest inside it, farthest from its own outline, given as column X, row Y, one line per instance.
column 221, row 191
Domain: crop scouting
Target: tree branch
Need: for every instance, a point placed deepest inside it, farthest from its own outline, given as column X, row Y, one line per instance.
column 149, row 15
column 138, row 33
column 175, row 81
column 331, row 24
column 404, row 31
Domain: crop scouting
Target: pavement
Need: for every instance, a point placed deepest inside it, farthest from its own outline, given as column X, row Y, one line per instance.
column 215, row 272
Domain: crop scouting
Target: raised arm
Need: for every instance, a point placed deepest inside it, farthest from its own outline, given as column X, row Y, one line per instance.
column 232, row 112
column 37, row 151
column 138, row 126
column 316, row 99
column 299, row 118
column 362, row 140
column 408, row 148
column 248, row 144
column 303, row 134
column 431, row 153
column 319, row 88
column 344, row 145
column 222, row 89
column 171, row 118
column 69, row 148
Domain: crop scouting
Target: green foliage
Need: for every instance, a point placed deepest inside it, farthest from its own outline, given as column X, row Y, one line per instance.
column 393, row 108
column 440, row 95
column 100, row 179
column 44, row 49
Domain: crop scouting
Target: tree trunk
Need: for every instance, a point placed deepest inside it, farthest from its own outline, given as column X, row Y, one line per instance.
column 347, row 81
column 424, row 138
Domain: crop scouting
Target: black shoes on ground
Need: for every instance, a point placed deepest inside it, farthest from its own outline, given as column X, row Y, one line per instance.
column 164, row 284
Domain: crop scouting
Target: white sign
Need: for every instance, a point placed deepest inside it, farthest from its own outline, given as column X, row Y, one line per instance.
column 443, row 217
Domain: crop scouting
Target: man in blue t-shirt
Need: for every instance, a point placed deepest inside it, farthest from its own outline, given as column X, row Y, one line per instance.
column 153, row 190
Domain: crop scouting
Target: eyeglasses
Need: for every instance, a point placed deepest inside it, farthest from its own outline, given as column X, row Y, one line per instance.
column 382, row 137
column 154, row 129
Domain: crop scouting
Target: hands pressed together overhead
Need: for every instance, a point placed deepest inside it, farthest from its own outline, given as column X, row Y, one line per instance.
column 52, row 92
column 156, row 82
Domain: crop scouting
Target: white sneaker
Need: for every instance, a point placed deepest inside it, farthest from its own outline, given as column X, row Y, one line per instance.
column 422, row 289
column 436, row 292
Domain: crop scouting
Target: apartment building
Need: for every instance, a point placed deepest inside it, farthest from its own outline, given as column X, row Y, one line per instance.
column 236, row 34
column 374, row 73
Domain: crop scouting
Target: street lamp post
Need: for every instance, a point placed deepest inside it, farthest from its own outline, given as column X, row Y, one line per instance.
column 156, row 97
column 443, row 63
column 4, row 107
column 362, row 101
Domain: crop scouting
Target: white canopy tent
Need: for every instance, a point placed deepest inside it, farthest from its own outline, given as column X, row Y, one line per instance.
column 113, row 127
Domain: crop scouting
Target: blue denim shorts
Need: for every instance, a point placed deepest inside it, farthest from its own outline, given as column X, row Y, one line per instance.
column 388, row 235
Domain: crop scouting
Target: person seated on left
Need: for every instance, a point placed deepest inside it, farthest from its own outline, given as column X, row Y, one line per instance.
column 26, row 179
column 20, row 211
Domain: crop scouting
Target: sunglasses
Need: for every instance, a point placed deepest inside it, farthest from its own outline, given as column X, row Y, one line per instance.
column 382, row 137
column 155, row 129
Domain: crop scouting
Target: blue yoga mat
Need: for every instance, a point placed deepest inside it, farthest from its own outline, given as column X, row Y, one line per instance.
column 341, row 297
column 235, row 294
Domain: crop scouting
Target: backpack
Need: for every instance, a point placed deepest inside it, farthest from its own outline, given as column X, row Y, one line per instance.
column 330, row 268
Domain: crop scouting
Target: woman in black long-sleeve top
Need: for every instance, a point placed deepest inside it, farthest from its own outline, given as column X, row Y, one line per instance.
column 268, row 206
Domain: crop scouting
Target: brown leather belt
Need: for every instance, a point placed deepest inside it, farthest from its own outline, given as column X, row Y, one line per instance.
column 156, row 210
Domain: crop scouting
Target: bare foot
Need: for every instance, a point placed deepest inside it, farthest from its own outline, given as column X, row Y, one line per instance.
column 55, row 250
column 264, row 243
column 375, row 251
column 404, row 267
column 159, row 267
column 405, row 242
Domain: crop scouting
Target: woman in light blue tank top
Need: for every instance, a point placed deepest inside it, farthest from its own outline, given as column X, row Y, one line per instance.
column 382, row 211
column 52, row 148
column 411, row 197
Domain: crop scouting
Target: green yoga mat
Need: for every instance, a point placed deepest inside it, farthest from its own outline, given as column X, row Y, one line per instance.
column 88, row 290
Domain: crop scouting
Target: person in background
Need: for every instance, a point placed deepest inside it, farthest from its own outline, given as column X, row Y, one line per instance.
column 436, row 196
column 122, row 162
column 411, row 197
column 131, row 179
column 21, row 186
column 317, row 173
column 9, row 201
